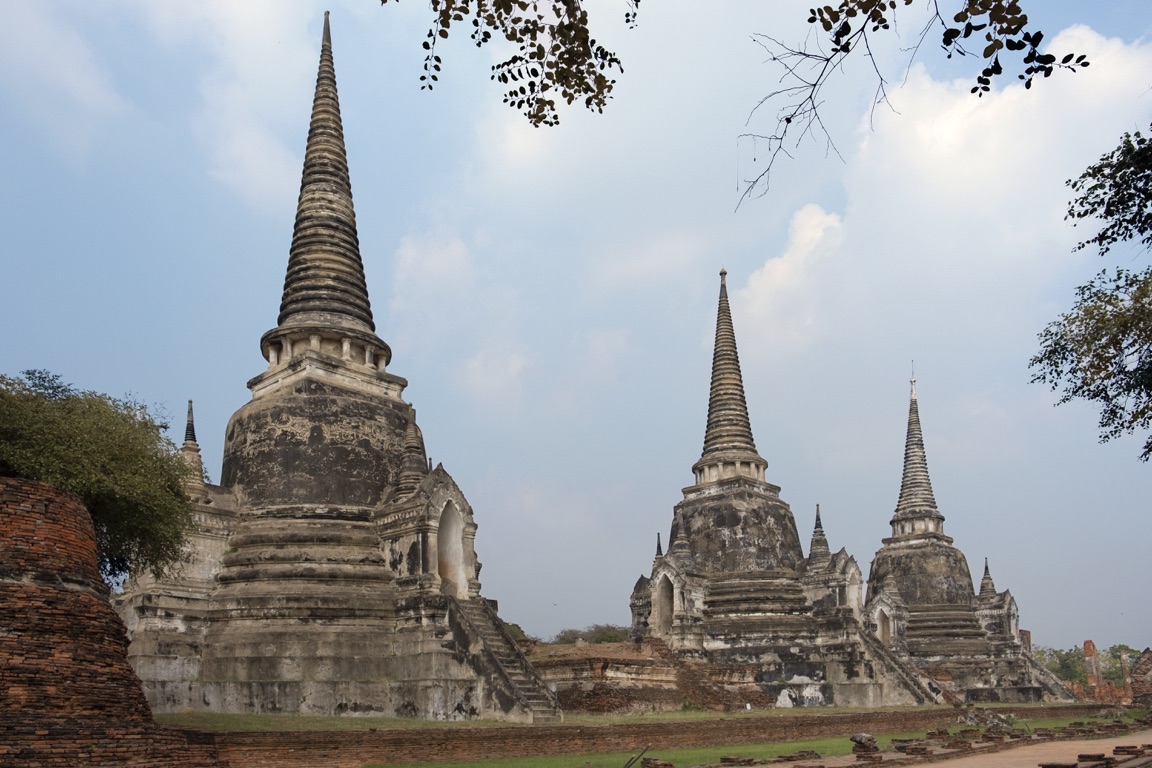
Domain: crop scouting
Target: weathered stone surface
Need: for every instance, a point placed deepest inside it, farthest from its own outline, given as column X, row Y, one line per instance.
column 334, row 571
column 734, row 589
column 922, row 606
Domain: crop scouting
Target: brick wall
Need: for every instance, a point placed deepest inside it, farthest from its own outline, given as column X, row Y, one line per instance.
column 395, row 746
column 68, row 696
column 47, row 536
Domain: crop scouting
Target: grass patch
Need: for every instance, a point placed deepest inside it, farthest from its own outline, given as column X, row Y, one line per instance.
column 687, row 756
column 220, row 722
column 215, row 721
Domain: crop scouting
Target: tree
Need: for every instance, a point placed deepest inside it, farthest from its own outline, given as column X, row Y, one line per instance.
column 1110, row 662
column 1101, row 350
column 108, row 452
column 594, row 634
column 557, row 57
column 995, row 28
column 1067, row 665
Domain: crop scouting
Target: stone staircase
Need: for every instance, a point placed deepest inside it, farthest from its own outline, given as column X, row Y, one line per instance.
column 530, row 688
column 882, row 656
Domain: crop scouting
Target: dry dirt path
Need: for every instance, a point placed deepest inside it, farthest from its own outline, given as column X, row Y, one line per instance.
column 1018, row 757
column 1049, row 752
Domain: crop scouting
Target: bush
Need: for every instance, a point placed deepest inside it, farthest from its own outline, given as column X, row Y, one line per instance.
column 596, row 633
column 108, row 452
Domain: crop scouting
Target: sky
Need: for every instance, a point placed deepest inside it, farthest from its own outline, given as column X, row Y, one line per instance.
column 550, row 294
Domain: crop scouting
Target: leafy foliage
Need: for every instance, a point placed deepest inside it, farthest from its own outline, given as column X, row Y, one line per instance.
column 1101, row 351
column 517, row 633
column 556, row 55
column 596, row 633
column 1110, row 662
column 994, row 28
column 1117, row 190
column 111, row 454
column 1070, row 666
column 1067, row 665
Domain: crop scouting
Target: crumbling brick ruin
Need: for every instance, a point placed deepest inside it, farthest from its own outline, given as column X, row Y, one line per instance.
column 334, row 570
column 70, row 697
column 1098, row 690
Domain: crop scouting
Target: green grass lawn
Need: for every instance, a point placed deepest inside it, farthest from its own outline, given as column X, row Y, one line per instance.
column 212, row 721
column 209, row 721
column 679, row 757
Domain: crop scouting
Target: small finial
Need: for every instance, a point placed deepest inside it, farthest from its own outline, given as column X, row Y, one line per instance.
column 327, row 40
column 986, row 571
column 190, row 426
column 723, row 275
column 818, row 524
column 659, row 550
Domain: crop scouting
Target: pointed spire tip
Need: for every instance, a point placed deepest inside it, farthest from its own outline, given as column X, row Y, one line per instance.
column 190, row 426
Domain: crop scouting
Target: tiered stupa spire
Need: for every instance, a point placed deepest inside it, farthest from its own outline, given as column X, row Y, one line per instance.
column 190, row 426
column 416, row 464
column 916, row 510
column 987, row 586
column 729, row 450
column 190, row 452
column 819, row 554
column 325, row 304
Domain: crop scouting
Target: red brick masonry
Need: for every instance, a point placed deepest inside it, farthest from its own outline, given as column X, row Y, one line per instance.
column 68, row 696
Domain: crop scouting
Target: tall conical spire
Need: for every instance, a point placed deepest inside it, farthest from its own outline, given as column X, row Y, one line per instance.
column 916, row 498
column 729, row 449
column 325, row 306
column 190, row 426
column 325, row 278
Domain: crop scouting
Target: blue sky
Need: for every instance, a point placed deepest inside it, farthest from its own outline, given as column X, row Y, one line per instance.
column 550, row 294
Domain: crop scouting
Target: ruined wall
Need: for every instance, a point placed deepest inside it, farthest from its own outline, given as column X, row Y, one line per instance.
column 1142, row 679
column 392, row 747
column 63, row 649
column 70, row 696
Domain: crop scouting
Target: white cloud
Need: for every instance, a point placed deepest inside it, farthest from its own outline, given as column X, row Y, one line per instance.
column 429, row 274
column 260, row 55
column 55, row 76
column 782, row 299
column 657, row 257
column 493, row 376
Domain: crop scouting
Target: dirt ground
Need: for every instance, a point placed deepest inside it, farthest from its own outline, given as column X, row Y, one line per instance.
column 1020, row 757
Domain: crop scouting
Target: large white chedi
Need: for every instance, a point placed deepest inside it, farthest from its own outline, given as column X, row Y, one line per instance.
column 333, row 570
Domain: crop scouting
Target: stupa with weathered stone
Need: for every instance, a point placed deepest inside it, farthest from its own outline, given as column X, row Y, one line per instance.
column 734, row 588
column 922, row 606
column 333, row 570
